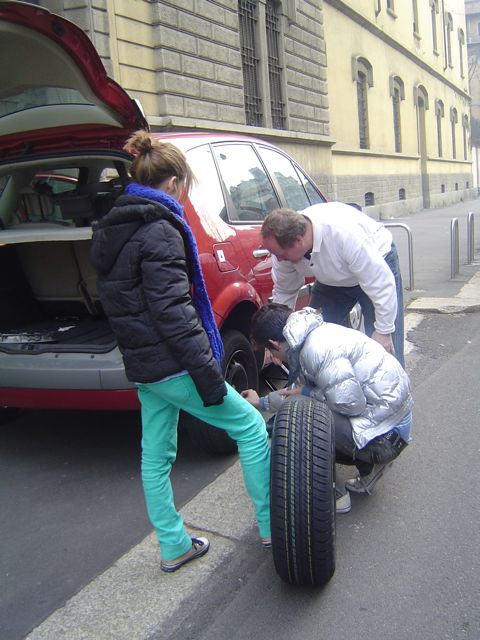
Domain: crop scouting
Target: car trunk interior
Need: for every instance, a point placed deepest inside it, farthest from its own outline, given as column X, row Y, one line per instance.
column 48, row 287
column 49, row 301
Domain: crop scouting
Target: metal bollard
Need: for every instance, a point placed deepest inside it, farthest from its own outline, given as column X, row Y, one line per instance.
column 410, row 249
column 470, row 238
column 454, row 249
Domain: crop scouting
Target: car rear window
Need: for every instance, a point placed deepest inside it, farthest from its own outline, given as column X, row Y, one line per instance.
column 40, row 97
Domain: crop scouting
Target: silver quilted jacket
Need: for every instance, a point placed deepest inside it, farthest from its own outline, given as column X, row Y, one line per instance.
column 352, row 373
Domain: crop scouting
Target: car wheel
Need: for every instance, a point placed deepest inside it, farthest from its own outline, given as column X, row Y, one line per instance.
column 240, row 370
column 7, row 414
column 302, row 492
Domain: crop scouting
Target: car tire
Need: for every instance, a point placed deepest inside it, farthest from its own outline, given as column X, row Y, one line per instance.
column 302, row 492
column 240, row 369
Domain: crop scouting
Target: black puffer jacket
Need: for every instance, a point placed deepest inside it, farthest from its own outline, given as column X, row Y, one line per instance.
column 138, row 250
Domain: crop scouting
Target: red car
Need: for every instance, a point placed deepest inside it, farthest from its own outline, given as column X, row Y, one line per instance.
column 63, row 123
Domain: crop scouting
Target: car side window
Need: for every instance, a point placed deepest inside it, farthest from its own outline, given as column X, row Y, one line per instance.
column 287, row 178
column 252, row 195
column 206, row 194
column 313, row 195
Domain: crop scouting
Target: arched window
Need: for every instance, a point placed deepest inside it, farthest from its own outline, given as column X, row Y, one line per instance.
column 461, row 48
column 449, row 29
column 362, row 73
column 453, row 121
column 397, row 92
column 369, row 199
column 420, row 97
column 439, row 114
column 465, row 129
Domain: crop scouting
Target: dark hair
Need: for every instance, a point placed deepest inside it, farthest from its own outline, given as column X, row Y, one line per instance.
column 156, row 160
column 268, row 322
column 285, row 225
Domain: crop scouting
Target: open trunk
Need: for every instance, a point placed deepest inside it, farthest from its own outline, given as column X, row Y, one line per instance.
column 53, row 333
column 49, row 300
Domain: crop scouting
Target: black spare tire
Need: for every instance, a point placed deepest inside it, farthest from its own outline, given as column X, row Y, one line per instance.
column 302, row 492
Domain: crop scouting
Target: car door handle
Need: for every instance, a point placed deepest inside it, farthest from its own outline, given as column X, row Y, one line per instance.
column 260, row 253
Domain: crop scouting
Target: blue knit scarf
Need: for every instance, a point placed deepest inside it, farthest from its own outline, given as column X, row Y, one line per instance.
column 200, row 296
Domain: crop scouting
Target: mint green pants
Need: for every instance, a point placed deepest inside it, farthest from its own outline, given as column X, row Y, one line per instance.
column 160, row 404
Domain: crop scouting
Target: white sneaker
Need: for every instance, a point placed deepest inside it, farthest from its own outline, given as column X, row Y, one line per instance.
column 343, row 503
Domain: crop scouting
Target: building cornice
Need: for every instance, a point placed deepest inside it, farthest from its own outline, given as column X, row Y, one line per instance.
column 367, row 24
column 373, row 154
column 178, row 122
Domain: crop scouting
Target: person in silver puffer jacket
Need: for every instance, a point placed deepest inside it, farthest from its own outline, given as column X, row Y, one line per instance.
column 366, row 388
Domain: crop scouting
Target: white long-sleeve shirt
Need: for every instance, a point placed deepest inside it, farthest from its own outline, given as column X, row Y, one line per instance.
column 348, row 250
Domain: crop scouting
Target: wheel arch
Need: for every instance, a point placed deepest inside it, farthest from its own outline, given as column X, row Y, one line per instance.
column 236, row 304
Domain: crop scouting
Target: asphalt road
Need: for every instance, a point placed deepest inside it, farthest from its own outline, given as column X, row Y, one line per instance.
column 408, row 557
column 72, row 503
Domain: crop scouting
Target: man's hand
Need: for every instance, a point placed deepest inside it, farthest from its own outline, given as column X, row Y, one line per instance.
column 295, row 391
column 252, row 397
column 385, row 339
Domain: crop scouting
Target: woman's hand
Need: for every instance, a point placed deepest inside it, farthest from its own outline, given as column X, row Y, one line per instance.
column 252, row 397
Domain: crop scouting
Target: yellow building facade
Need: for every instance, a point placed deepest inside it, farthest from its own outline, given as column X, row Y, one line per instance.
column 399, row 103
column 370, row 96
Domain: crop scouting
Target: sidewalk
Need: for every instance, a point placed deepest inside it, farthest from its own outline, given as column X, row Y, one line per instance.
column 431, row 250
column 133, row 599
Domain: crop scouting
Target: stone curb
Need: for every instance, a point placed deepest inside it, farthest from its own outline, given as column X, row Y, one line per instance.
column 467, row 300
column 445, row 305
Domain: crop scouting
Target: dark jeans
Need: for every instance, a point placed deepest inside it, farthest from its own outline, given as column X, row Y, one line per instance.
column 378, row 451
column 337, row 302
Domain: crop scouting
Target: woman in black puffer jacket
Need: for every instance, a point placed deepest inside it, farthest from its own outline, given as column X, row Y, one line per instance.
column 153, row 293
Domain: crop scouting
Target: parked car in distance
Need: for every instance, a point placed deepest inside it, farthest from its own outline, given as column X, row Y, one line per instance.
column 63, row 123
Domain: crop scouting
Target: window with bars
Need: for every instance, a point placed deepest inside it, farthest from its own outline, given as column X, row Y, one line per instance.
column 439, row 113
column 362, row 87
column 362, row 74
column 449, row 29
column 274, row 67
column 465, row 128
column 247, row 13
column 416, row 28
column 396, row 120
column 433, row 12
column 397, row 92
column 261, row 51
column 461, row 47
column 454, row 120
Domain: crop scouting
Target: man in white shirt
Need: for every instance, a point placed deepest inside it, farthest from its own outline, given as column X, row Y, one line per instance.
column 352, row 258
